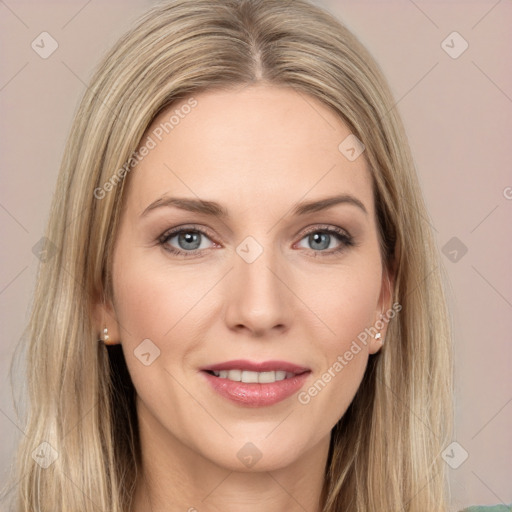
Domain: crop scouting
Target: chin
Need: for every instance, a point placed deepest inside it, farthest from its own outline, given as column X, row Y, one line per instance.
column 258, row 455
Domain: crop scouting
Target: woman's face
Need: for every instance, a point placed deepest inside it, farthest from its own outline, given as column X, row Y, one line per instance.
column 279, row 277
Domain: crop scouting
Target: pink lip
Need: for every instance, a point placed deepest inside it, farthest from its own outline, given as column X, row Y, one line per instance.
column 265, row 366
column 256, row 394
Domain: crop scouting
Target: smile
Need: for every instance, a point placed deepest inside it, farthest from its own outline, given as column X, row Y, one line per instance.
column 256, row 384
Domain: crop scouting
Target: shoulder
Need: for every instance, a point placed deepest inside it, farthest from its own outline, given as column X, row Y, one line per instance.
column 495, row 508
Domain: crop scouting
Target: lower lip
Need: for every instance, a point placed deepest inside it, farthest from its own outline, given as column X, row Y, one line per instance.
column 255, row 394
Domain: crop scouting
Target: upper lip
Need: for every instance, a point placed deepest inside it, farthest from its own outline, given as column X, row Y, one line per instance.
column 264, row 366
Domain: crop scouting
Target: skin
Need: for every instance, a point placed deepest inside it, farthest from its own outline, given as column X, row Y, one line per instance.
column 257, row 151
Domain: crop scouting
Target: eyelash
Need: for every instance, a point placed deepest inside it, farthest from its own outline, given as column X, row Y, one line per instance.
column 346, row 240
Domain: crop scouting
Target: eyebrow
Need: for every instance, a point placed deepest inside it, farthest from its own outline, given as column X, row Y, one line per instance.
column 214, row 209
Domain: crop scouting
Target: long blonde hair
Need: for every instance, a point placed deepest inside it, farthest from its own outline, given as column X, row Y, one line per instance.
column 385, row 451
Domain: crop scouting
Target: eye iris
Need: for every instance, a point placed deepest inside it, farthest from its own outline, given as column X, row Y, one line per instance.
column 189, row 238
column 319, row 238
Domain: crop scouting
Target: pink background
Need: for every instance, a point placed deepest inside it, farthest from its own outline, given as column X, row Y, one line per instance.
column 458, row 115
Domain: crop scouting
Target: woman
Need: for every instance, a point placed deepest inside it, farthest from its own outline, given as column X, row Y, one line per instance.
column 239, row 223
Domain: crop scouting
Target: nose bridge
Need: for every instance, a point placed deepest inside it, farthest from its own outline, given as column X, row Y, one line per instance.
column 258, row 298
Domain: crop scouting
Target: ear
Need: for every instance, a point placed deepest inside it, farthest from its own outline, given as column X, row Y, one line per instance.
column 104, row 317
column 382, row 316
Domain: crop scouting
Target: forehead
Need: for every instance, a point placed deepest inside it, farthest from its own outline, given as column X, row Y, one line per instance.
column 244, row 145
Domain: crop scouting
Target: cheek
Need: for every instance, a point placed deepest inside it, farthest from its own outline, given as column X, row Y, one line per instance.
column 347, row 307
column 346, row 303
column 156, row 305
column 151, row 301
column 164, row 305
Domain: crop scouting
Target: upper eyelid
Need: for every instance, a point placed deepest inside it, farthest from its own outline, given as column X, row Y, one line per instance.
column 169, row 233
column 324, row 227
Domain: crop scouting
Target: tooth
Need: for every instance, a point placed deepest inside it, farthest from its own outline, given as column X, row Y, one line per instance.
column 280, row 375
column 265, row 377
column 235, row 375
column 249, row 377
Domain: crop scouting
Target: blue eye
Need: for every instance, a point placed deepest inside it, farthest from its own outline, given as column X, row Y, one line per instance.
column 192, row 241
column 188, row 240
column 321, row 239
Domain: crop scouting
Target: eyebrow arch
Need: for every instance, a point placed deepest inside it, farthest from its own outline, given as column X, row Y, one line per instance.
column 216, row 210
column 328, row 202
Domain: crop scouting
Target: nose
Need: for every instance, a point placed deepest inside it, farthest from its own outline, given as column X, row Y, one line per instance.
column 259, row 299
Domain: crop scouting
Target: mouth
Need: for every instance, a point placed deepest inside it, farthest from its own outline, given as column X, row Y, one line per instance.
column 254, row 384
